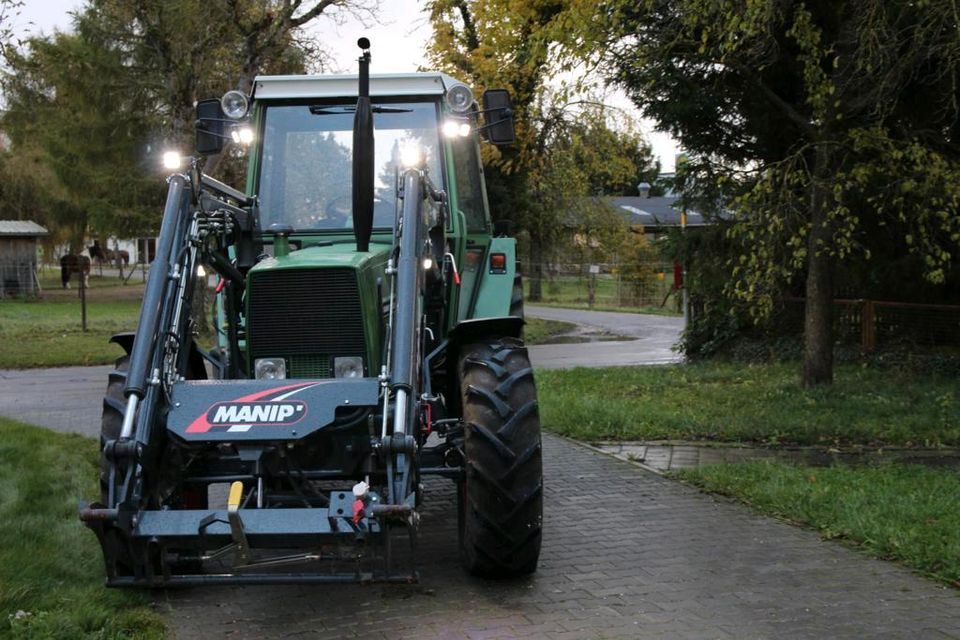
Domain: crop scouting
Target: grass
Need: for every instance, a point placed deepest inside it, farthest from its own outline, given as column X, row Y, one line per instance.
column 540, row 331
column 47, row 332
column 899, row 512
column 750, row 403
column 51, row 571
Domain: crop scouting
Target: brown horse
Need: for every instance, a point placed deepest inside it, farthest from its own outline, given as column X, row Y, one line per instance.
column 70, row 264
column 109, row 256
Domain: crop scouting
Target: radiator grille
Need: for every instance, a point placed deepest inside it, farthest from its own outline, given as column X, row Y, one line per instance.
column 310, row 366
column 308, row 316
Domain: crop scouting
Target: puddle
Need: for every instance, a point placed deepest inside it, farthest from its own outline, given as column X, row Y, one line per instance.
column 583, row 334
column 666, row 456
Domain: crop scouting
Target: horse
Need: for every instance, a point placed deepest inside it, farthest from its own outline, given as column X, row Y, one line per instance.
column 70, row 264
column 108, row 255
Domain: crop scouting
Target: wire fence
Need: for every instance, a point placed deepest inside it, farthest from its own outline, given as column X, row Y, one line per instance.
column 643, row 285
column 18, row 278
column 878, row 324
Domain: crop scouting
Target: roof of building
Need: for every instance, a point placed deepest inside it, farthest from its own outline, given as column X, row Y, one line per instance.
column 654, row 211
column 22, row 228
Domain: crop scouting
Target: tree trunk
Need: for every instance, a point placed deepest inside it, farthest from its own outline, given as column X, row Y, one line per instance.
column 818, row 312
column 535, row 275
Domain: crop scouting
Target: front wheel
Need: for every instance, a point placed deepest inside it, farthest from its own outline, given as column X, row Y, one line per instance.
column 501, row 495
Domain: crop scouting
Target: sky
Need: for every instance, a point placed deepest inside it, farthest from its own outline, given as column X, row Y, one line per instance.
column 397, row 45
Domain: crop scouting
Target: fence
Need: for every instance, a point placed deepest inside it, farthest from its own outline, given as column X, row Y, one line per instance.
column 18, row 277
column 627, row 285
column 882, row 324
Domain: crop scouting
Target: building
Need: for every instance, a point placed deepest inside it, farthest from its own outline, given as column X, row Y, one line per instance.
column 18, row 257
column 655, row 214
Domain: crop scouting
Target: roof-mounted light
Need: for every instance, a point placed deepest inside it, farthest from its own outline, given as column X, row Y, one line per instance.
column 172, row 160
column 234, row 104
column 459, row 98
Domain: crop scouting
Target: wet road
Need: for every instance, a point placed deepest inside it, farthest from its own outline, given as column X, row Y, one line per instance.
column 654, row 337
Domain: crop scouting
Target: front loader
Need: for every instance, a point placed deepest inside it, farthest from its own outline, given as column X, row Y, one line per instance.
column 368, row 335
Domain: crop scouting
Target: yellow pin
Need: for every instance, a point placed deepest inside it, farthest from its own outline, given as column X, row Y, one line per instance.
column 236, row 493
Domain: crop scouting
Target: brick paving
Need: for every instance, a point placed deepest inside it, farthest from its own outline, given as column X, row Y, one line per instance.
column 627, row 554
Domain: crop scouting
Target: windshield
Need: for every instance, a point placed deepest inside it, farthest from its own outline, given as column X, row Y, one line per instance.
column 307, row 151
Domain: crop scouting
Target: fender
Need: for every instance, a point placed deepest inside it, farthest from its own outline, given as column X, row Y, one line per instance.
column 197, row 369
column 469, row 330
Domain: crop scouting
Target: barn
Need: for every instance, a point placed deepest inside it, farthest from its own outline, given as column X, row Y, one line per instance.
column 18, row 257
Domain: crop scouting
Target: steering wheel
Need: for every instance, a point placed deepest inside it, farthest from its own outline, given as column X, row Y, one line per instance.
column 338, row 212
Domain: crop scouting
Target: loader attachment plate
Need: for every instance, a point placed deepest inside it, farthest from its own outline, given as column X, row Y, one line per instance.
column 258, row 410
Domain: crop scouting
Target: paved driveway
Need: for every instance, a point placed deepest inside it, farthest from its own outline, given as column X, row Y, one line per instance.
column 654, row 337
column 66, row 399
column 627, row 554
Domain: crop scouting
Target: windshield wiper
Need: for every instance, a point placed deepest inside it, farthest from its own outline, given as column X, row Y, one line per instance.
column 319, row 110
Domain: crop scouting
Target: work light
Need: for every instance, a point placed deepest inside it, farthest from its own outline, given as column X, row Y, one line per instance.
column 234, row 104
column 459, row 98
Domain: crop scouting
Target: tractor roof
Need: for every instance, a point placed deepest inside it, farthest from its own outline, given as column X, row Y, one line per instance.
column 336, row 86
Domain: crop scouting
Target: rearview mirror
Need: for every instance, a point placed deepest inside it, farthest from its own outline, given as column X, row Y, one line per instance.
column 499, row 117
column 210, row 136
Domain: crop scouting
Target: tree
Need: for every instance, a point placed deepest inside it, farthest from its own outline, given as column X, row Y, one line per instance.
column 822, row 120
column 194, row 49
column 97, row 107
column 65, row 120
column 509, row 44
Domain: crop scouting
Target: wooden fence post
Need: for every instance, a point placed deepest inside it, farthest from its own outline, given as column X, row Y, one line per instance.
column 868, row 326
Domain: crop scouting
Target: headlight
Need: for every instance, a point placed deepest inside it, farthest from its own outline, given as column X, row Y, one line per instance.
column 459, row 98
column 234, row 104
column 348, row 367
column 270, row 368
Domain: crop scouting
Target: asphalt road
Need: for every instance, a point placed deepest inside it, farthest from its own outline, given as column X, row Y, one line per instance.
column 66, row 399
column 654, row 337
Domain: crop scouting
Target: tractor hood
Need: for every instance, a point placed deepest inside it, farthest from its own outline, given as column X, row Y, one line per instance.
column 316, row 305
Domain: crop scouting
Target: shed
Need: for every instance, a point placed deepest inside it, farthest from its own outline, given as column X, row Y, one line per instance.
column 18, row 257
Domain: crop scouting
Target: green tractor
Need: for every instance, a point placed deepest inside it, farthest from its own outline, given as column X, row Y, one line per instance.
column 369, row 334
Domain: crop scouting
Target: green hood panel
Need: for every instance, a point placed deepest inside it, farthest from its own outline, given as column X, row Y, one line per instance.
column 277, row 293
column 337, row 255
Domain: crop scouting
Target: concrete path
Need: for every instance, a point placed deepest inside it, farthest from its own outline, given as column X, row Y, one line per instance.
column 655, row 337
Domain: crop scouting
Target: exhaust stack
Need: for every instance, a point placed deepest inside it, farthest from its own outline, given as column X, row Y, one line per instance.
column 363, row 155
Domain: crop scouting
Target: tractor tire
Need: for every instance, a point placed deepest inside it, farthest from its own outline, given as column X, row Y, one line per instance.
column 114, row 404
column 501, row 495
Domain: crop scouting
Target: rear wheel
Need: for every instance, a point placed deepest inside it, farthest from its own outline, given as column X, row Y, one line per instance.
column 501, row 494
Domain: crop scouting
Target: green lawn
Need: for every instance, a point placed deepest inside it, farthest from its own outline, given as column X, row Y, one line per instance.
column 51, row 571
column 750, row 403
column 540, row 331
column 47, row 332
column 905, row 513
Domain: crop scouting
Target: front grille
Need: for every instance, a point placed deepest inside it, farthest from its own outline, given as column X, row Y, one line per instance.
column 308, row 316
column 310, row 366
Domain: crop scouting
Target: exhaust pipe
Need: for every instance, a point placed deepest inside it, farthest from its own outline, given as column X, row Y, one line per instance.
column 363, row 158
